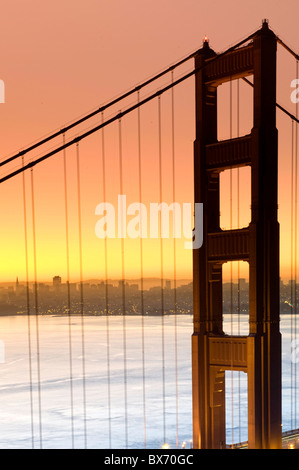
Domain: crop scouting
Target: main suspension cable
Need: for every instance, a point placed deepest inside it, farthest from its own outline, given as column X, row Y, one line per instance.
column 97, row 111
column 120, row 115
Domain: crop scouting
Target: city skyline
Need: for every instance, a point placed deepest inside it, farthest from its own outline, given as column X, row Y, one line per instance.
column 124, row 297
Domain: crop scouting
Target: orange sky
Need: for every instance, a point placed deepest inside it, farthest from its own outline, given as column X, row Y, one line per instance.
column 60, row 60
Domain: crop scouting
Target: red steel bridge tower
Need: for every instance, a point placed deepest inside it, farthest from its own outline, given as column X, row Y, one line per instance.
column 213, row 352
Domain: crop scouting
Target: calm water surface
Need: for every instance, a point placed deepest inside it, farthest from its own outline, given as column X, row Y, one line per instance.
column 65, row 385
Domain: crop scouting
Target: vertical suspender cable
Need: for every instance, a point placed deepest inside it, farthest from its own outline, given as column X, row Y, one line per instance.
column 81, row 289
column 174, row 264
column 161, row 262
column 238, row 225
column 106, row 288
column 66, row 229
column 36, row 308
column 296, row 190
column 122, row 228
column 34, row 245
column 231, row 271
column 141, row 274
column 68, row 289
column 28, row 304
column 292, row 263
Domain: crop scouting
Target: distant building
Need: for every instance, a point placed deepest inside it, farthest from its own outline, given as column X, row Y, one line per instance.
column 243, row 284
column 56, row 281
column 134, row 288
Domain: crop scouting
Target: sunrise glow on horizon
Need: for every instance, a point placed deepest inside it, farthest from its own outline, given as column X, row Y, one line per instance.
column 56, row 102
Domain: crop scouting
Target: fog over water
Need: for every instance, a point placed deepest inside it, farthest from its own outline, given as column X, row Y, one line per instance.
column 55, row 392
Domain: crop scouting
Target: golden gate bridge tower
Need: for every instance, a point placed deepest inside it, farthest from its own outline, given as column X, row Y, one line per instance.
column 213, row 352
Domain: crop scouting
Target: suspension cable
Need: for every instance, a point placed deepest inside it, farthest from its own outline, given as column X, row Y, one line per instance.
column 238, row 263
column 296, row 194
column 283, row 44
column 28, row 305
column 161, row 267
column 99, row 110
column 36, row 307
column 66, row 229
column 119, row 116
column 285, row 111
column 106, row 288
column 68, row 290
column 122, row 228
column 141, row 271
column 174, row 262
column 125, row 95
column 292, row 261
column 81, row 290
column 231, row 267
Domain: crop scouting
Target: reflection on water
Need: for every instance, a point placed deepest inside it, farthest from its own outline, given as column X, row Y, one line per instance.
column 131, row 373
column 121, row 362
